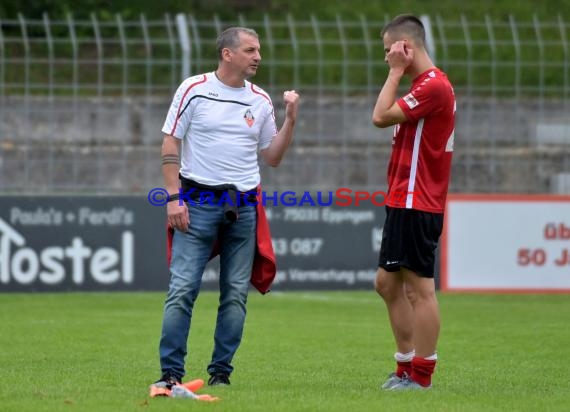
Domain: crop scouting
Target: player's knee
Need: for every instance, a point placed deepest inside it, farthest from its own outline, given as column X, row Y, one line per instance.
column 383, row 285
column 421, row 295
column 378, row 284
column 411, row 294
column 379, row 287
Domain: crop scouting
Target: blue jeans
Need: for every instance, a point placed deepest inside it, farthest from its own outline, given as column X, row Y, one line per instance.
column 190, row 253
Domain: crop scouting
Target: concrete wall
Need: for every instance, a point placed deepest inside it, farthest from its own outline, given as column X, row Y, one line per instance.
column 113, row 145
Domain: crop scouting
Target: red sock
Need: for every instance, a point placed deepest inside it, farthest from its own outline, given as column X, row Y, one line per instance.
column 422, row 369
column 403, row 367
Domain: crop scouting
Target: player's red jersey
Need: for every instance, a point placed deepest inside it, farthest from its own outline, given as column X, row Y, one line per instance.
column 422, row 146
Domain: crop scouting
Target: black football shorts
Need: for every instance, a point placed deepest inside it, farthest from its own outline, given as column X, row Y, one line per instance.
column 409, row 240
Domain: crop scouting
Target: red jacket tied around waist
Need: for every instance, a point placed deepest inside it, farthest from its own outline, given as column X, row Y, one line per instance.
column 264, row 265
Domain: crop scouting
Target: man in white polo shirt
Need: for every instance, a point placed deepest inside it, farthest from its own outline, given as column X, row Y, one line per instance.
column 217, row 124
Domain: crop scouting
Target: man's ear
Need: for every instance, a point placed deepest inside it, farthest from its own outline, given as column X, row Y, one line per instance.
column 226, row 54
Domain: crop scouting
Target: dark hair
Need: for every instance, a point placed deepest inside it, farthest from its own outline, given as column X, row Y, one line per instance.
column 406, row 25
column 229, row 38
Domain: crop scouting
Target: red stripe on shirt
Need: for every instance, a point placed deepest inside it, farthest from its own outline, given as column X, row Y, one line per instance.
column 182, row 100
column 261, row 94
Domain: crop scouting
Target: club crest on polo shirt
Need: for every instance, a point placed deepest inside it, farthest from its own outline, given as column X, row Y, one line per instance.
column 411, row 100
column 248, row 117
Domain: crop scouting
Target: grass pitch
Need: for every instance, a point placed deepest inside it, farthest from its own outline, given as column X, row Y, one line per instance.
column 325, row 351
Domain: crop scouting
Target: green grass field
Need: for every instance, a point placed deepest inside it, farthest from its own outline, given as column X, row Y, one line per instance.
column 301, row 352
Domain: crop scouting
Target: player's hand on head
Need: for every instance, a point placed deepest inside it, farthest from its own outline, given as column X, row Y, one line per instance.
column 400, row 55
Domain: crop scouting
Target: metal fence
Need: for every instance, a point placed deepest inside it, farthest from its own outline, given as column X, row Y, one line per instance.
column 82, row 102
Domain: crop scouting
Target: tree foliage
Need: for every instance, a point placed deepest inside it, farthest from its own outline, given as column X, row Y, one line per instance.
column 323, row 9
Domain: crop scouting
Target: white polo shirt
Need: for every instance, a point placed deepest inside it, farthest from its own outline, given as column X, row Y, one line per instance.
column 221, row 128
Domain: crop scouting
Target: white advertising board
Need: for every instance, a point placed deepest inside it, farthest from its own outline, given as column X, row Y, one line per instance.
column 504, row 243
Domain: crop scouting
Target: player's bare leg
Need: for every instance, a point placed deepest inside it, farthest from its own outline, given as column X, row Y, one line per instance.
column 426, row 325
column 425, row 313
column 390, row 286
